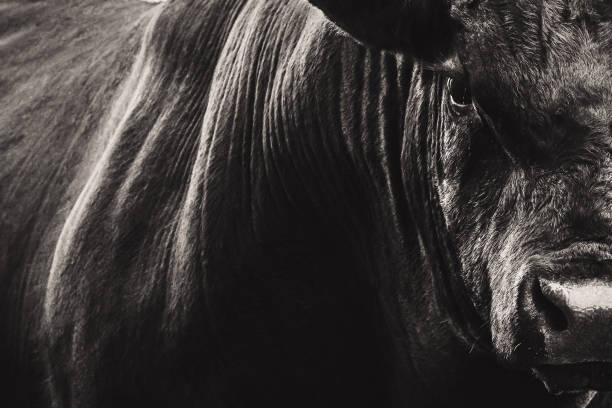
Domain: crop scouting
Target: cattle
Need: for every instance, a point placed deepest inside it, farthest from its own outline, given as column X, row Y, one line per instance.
column 371, row 203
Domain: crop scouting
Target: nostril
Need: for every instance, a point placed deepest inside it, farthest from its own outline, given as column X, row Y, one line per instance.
column 547, row 304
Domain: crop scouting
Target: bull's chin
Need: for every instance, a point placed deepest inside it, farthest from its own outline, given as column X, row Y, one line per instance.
column 576, row 377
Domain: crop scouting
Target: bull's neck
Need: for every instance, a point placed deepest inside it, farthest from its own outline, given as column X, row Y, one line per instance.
column 306, row 123
column 302, row 171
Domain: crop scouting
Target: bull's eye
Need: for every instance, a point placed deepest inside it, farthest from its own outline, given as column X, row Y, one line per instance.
column 459, row 93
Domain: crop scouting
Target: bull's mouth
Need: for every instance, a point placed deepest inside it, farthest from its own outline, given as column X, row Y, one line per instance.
column 574, row 378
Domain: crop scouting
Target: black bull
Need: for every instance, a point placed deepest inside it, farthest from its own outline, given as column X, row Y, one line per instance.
column 232, row 203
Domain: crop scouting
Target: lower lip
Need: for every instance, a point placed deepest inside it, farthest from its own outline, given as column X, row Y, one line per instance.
column 579, row 377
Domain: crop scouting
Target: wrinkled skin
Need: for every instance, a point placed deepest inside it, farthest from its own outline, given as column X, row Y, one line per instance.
column 234, row 203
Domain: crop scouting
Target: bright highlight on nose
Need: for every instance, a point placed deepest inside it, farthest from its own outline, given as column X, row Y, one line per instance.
column 583, row 296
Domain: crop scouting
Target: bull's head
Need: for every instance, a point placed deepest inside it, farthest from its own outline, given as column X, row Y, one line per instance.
column 509, row 145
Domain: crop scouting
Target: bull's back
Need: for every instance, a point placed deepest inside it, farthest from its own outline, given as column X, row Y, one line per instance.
column 61, row 64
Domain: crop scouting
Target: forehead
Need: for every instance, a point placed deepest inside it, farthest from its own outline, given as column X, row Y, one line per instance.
column 536, row 28
column 537, row 52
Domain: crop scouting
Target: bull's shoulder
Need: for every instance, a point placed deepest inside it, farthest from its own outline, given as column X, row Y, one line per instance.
column 60, row 65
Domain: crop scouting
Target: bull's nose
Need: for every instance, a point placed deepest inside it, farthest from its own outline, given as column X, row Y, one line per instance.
column 576, row 320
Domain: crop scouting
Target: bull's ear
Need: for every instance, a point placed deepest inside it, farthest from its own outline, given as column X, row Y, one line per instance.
column 421, row 27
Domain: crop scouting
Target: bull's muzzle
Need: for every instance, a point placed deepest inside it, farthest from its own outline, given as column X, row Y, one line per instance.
column 573, row 322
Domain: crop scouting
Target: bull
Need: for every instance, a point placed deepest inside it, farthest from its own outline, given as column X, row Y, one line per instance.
column 290, row 203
